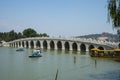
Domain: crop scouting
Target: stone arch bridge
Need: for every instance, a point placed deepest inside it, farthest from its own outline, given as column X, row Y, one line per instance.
column 75, row 44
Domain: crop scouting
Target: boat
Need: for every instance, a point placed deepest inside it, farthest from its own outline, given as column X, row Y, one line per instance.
column 36, row 53
column 115, row 53
column 20, row 49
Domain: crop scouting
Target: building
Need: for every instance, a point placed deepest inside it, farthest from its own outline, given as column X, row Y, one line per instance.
column 103, row 38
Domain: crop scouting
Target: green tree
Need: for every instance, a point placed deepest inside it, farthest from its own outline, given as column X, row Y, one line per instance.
column 45, row 35
column 12, row 35
column 19, row 35
column 114, row 12
column 29, row 32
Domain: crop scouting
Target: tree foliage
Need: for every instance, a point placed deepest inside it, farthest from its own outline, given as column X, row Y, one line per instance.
column 8, row 36
column 12, row 35
column 114, row 12
column 29, row 32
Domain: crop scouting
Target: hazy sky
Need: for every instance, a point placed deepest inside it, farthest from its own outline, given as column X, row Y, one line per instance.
column 55, row 17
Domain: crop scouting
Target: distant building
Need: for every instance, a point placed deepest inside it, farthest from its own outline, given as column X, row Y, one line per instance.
column 103, row 38
column 3, row 43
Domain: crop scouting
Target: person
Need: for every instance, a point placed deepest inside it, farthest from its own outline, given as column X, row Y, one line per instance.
column 74, row 59
column 95, row 63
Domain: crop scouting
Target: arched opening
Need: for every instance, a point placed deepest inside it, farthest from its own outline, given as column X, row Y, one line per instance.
column 38, row 44
column 101, row 48
column 16, row 44
column 45, row 44
column 83, row 47
column 90, row 47
column 19, row 44
column 67, row 47
column 59, row 45
column 23, row 44
column 32, row 44
column 10, row 44
column 13, row 45
column 74, row 46
column 52, row 45
column 27, row 45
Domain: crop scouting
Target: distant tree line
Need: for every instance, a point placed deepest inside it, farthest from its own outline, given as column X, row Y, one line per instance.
column 12, row 35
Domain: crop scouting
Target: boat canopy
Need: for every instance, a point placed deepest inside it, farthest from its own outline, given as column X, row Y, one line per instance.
column 117, row 49
column 94, row 49
column 114, row 50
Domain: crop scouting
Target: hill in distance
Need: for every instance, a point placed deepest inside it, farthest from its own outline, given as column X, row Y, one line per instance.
column 107, row 36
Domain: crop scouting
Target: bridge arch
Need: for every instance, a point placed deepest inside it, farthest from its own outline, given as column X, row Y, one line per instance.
column 38, row 44
column 45, row 44
column 27, row 44
column 52, row 44
column 32, row 44
column 83, row 47
column 74, row 46
column 101, row 48
column 19, row 43
column 59, row 45
column 23, row 44
column 90, row 47
column 67, row 46
column 16, row 44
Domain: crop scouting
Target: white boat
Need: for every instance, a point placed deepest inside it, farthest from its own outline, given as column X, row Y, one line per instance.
column 36, row 53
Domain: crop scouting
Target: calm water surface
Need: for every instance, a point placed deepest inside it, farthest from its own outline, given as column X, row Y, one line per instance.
column 71, row 66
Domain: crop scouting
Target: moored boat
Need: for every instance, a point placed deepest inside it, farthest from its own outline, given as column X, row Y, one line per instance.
column 105, row 53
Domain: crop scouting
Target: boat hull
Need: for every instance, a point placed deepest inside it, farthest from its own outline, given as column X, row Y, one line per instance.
column 20, row 49
column 105, row 56
column 34, row 56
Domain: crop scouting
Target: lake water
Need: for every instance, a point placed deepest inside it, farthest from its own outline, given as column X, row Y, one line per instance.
column 70, row 65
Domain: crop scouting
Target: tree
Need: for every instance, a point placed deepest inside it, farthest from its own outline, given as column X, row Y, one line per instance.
column 45, row 35
column 12, row 35
column 19, row 35
column 114, row 12
column 29, row 32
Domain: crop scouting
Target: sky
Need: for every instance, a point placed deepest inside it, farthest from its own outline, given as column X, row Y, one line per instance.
column 65, row 18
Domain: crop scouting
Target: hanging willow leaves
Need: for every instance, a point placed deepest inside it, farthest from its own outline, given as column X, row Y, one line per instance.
column 114, row 12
